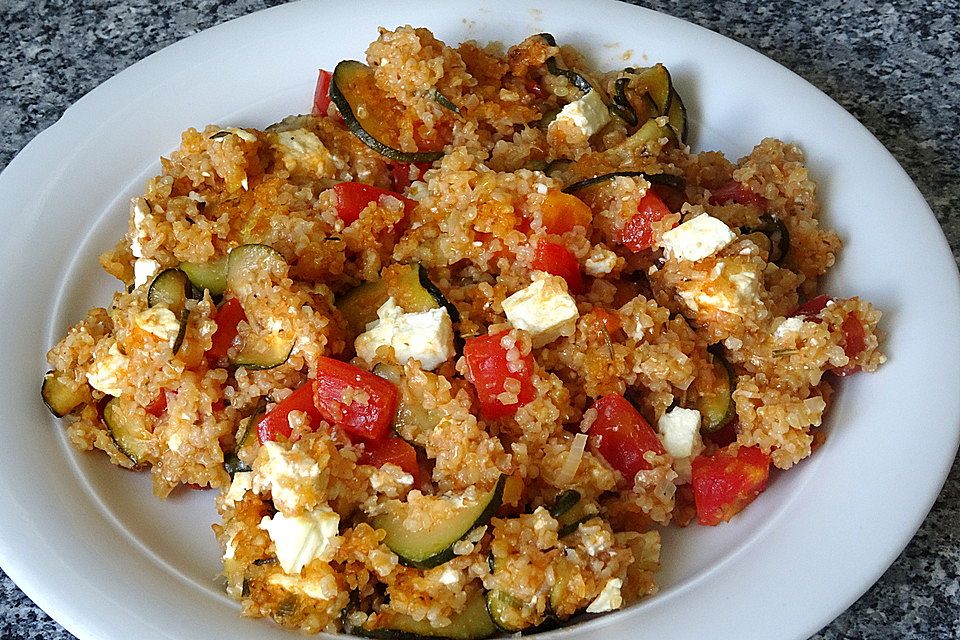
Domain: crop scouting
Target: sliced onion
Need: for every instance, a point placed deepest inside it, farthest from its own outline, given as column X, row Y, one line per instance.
column 574, row 456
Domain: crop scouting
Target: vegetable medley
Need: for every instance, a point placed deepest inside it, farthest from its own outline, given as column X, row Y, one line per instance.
column 458, row 344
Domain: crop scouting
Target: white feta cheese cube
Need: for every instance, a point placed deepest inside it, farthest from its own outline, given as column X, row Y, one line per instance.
column 697, row 238
column 323, row 587
column 788, row 327
column 301, row 539
column 426, row 336
column 139, row 216
column 284, row 472
column 678, row 431
column 589, row 114
column 106, row 372
column 242, row 482
column 160, row 322
column 143, row 270
column 609, row 598
column 717, row 296
column 544, row 310
column 302, row 150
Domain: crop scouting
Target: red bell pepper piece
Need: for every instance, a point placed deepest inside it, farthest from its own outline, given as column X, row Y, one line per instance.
column 621, row 436
column 275, row 425
column 401, row 173
column 396, row 451
column 733, row 191
column 637, row 233
column 727, row 481
column 354, row 197
column 227, row 317
column 321, row 95
column 557, row 260
column 488, row 368
column 347, row 396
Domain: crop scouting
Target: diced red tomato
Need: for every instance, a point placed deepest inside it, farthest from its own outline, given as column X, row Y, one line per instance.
column 354, row 197
column 275, row 425
column 488, row 368
column 811, row 308
column 557, row 260
column 396, row 451
column 321, row 95
column 158, row 405
column 854, row 342
column 727, row 481
column 401, row 173
column 561, row 212
column 621, row 436
column 347, row 396
column 733, row 191
column 532, row 86
column 637, row 233
column 611, row 321
column 227, row 317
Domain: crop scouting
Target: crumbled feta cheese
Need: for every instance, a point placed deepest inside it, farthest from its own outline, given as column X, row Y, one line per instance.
column 242, row 482
column 449, row 576
column 678, row 430
column 322, row 587
column 589, row 114
column 301, row 539
column 746, row 289
column 697, row 238
column 105, row 372
column 284, row 472
column 609, row 598
column 139, row 215
column 426, row 336
column 788, row 326
column 160, row 322
column 231, row 548
column 600, row 262
column 143, row 270
column 544, row 310
column 302, row 150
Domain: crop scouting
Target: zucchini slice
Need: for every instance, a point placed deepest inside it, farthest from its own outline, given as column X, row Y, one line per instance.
column 500, row 606
column 264, row 352
column 656, row 83
column 432, row 545
column 575, row 78
column 59, row 397
column 678, row 115
column 715, row 402
column 411, row 417
column 182, row 331
column 473, row 623
column 251, row 257
column 566, row 500
column 211, row 276
column 444, row 101
column 666, row 179
column 170, row 289
column 357, row 97
column 231, row 462
column 128, row 432
column 777, row 235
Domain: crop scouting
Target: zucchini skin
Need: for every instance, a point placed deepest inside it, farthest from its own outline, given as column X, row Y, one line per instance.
column 777, row 232
column 575, row 78
column 666, row 179
column 57, row 397
column 473, row 623
column 346, row 110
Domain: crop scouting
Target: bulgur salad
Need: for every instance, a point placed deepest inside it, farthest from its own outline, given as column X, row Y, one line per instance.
column 457, row 345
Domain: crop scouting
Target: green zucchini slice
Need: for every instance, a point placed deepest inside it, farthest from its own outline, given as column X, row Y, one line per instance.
column 411, row 417
column 59, row 397
column 170, row 289
column 678, row 115
column 355, row 94
column 444, row 101
column 715, row 403
column 129, row 432
column 231, row 462
column 777, row 235
column 251, row 257
column 431, row 546
column 473, row 623
column 575, row 78
column 211, row 276
column 500, row 606
column 566, row 500
column 264, row 352
column 666, row 179
column 657, row 84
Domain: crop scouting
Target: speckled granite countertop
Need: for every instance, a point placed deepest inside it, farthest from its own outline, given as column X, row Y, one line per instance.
column 892, row 65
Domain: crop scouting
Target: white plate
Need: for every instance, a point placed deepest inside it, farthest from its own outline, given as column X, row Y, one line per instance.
column 90, row 544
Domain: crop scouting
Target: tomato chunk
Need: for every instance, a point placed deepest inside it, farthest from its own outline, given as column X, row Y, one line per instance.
column 561, row 212
column 488, row 369
column 347, row 396
column 854, row 343
column 275, row 425
column 637, row 233
column 404, row 173
column 811, row 308
column 733, row 191
column 557, row 260
column 354, row 197
column 621, row 436
column 396, row 451
column 321, row 95
column 227, row 317
column 727, row 481
column 158, row 405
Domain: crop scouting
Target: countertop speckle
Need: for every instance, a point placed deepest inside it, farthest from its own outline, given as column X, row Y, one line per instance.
column 893, row 65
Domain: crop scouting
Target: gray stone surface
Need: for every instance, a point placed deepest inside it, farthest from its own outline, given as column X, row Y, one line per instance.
column 893, row 65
